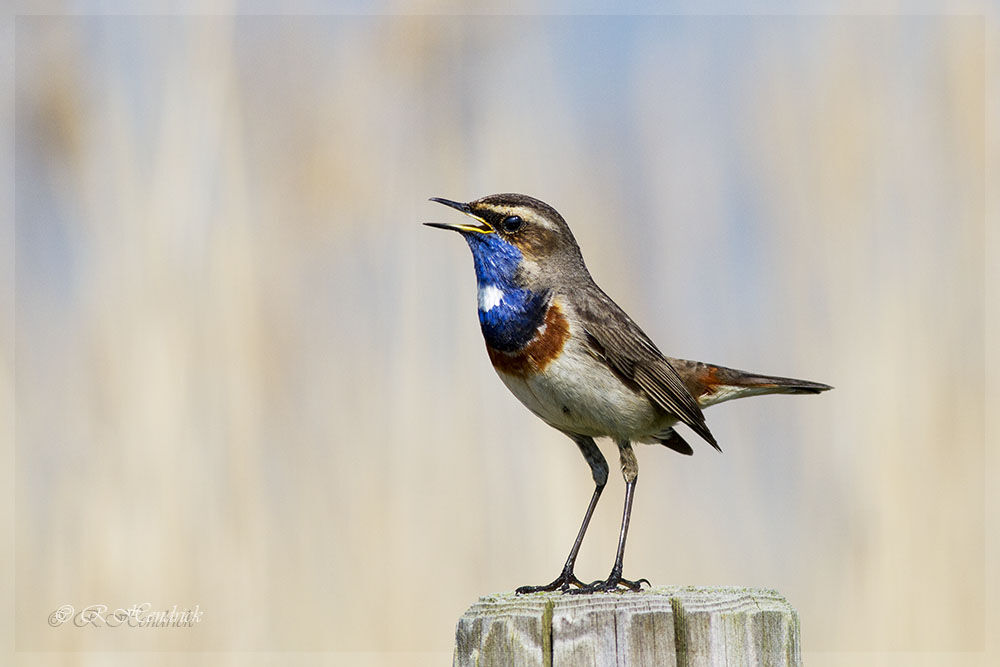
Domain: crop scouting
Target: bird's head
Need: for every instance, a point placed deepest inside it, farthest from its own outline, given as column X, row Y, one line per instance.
column 516, row 239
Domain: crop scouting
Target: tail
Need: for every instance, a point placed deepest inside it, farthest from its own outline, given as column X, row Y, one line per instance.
column 779, row 385
column 715, row 384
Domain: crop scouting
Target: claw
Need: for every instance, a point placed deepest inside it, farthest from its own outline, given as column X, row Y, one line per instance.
column 562, row 583
column 611, row 585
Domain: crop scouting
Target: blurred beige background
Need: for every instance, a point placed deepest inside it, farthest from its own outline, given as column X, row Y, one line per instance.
column 243, row 376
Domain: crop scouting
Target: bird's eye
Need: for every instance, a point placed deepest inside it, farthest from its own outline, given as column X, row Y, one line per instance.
column 511, row 223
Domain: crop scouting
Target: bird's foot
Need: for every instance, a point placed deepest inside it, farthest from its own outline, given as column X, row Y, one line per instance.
column 562, row 583
column 614, row 583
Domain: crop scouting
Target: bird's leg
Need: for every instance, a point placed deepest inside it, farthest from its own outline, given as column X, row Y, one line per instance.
column 630, row 470
column 599, row 468
column 566, row 578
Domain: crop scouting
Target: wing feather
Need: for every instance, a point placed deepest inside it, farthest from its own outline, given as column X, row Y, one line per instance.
column 615, row 337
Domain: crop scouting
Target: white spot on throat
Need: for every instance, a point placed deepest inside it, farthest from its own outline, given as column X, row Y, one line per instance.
column 490, row 297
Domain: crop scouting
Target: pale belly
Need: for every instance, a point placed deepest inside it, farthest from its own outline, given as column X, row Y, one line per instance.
column 578, row 394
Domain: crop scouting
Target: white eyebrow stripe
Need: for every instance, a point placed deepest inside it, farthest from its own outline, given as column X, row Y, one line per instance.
column 490, row 297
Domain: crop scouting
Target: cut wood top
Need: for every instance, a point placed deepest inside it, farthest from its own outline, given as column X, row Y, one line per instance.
column 671, row 625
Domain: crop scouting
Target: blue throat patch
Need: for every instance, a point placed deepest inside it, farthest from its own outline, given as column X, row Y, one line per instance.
column 509, row 325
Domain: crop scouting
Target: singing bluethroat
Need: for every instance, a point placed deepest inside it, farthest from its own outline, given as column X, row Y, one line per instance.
column 574, row 358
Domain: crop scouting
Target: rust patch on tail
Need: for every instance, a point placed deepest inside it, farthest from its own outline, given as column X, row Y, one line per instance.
column 705, row 380
column 540, row 351
column 701, row 379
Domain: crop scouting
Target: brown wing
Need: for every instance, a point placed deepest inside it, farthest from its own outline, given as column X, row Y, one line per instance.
column 614, row 336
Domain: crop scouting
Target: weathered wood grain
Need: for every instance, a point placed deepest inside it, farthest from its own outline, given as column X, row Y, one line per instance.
column 684, row 626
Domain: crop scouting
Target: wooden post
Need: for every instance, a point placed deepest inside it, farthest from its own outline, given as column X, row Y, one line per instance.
column 686, row 626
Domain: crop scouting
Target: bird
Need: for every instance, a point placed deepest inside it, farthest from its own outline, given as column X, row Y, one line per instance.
column 576, row 360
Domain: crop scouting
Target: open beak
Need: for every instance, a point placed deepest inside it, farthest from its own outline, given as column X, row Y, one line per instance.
column 482, row 228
